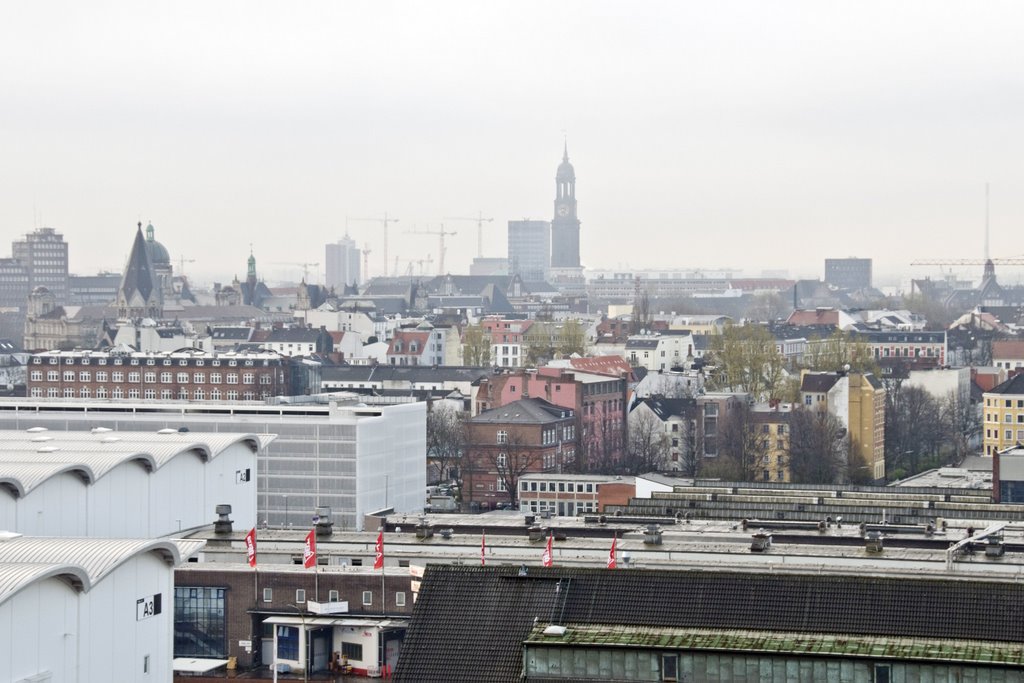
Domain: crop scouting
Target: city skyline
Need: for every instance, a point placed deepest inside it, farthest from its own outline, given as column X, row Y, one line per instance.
column 800, row 131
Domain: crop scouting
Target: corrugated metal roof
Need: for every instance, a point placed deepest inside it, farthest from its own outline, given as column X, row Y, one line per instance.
column 24, row 559
column 16, row 575
column 27, row 459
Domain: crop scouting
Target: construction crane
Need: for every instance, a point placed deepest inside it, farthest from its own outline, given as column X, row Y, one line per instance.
column 479, row 220
column 305, row 268
column 181, row 264
column 384, row 222
column 441, row 234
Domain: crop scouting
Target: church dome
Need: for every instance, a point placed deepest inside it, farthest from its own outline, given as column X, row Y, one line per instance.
column 157, row 252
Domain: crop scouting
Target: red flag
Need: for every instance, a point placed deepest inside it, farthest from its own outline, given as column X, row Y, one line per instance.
column 250, row 546
column 483, row 549
column 611, row 555
column 309, row 554
column 378, row 560
column 546, row 559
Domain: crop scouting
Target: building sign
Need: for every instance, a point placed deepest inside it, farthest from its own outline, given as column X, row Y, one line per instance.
column 327, row 607
column 148, row 606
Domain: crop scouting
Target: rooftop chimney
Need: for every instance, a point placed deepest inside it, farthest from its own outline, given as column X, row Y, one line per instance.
column 223, row 524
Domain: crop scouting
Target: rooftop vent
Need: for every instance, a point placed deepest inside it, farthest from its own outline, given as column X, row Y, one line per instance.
column 39, row 439
column 223, row 523
column 167, row 430
column 322, row 522
column 101, row 430
column 33, row 430
column 47, row 449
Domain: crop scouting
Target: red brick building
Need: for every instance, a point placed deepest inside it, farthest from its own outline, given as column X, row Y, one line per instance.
column 573, row 494
column 503, row 444
column 190, row 375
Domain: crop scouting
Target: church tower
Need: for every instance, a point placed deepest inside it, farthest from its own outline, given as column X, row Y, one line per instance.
column 139, row 295
column 565, row 227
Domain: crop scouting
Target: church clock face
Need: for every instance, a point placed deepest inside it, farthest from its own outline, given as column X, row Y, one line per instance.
column 563, row 210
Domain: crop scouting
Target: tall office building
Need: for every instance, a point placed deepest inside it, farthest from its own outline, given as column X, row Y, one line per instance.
column 529, row 249
column 342, row 264
column 44, row 254
column 848, row 273
column 14, row 286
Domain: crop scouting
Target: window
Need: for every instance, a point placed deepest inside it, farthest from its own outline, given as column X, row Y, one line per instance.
column 883, row 673
column 248, row 378
column 214, row 378
column 502, row 436
column 367, row 598
column 400, row 599
column 807, row 400
column 500, row 486
column 352, row 651
column 118, row 392
column 268, row 595
column 150, row 394
column 669, row 668
column 117, row 377
column 200, row 624
column 83, row 392
column 300, row 595
column 165, row 377
column 133, row 393
column 101, row 392
column 502, row 461
column 332, row 596
column 69, row 375
column 182, row 378
column 232, row 378
column 37, row 375
column 198, row 377
column 149, row 377
column 84, row 377
column 52, row 376
column 133, row 377
column 165, row 394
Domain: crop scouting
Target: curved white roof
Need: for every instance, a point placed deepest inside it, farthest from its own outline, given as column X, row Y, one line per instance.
column 24, row 559
column 17, row 575
column 29, row 458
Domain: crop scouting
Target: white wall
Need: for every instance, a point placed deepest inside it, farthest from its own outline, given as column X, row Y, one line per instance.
column 392, row 453
column 940, row 383
column 33, row 624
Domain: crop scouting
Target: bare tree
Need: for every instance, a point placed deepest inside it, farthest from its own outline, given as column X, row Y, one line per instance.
column 446, row 440
column 747, row 359
column 962, row 423
column 818, row 447
column 512, row 460
column 647, row 444
column 641, row 313
column 741, row 447
column 913, row 430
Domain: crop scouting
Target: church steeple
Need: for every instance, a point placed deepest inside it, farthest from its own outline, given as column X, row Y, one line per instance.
column 565, row 227
column 139, row 296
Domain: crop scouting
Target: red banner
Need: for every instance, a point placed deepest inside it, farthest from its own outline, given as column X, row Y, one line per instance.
column 546, row 559
column 250, row 547
column 611, row 555
column 378, row 560
column 309, row 553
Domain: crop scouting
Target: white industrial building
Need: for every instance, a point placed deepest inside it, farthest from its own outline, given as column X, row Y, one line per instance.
column 343, row 454
column 87, row 609
column 104, row 483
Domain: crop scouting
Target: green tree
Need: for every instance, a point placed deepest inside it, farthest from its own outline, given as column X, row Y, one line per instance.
column 572, row 338
column 476, row 346
column 838, row 350
column 746, row 359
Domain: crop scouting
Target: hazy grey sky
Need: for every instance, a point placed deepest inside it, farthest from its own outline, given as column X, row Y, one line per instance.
column 745, row 134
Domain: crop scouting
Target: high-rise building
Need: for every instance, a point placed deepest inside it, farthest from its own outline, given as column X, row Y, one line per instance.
column 14, row 283
column 44, row 254
column 342, row 263
column 565, row 227
column 529, row 249
column 848, row 273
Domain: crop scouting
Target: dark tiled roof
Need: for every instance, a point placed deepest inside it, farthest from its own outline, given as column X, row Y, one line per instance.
column 469, row 623
column 818, row 382
column 523, row 411
column 666, row 408
column 1014, row 385
column 138, row 274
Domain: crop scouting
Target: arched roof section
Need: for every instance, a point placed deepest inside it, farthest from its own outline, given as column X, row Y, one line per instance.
column 16, row 576
column 21, row 477
column 97, row 557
